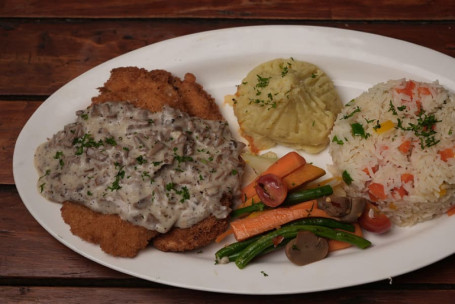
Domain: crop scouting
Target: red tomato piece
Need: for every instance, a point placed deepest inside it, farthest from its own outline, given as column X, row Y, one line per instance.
column 271, row 190
column 372, row 219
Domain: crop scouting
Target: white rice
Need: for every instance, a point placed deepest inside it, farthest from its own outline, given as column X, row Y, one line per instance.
column 375, row 158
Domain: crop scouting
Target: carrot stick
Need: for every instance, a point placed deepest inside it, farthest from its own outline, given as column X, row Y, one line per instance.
column 405, row 146
column 224, row 235
column 337, row 245
column 274, row 218
column 304, row 174
column 407, row 178
column 446, row 154
column 451, row 211
column 282, row 167
column 377, row 191
column 250, row 201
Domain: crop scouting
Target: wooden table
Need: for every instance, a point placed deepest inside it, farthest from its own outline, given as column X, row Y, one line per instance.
column 44, row 44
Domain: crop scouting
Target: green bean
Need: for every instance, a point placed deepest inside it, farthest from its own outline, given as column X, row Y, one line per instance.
column 292, row 198
column 304, row 195
column 257, row 247
column 248, row 209
column 234, row 248
column 269, row 249
column 326, row 222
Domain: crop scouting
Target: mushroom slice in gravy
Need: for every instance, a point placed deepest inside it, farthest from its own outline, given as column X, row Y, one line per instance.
column 155, row 170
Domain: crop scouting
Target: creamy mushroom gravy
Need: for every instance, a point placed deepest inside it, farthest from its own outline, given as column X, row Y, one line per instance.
column 156, row 170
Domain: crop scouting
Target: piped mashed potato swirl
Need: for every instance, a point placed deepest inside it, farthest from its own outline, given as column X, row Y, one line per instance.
column 288, row 102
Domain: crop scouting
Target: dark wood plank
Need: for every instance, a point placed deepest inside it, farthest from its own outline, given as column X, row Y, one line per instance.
column 13, row 116
column 39, row 57
column 288, row 9
column 70, row 295
column 29, row 252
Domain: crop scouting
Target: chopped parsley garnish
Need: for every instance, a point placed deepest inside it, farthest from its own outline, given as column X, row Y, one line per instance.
column 268, row 102
column 58, row 155
column 45, row 174
column 392, row 108
column 285, row 68
column 41, row 187
column 234, row 172
column 141, row 160
column 85, row 141
column 347, row 177
column 111, row 141
column 184, row 192
column 120, row 175
column 170, row 186
column 145, row 175
column 357, row 129
column 377, row 125
column 356, row 110
column 84, row 116
column 262, row 81
column 335, row 139
column 350, row 102
column 423, row 129
column 182, row 158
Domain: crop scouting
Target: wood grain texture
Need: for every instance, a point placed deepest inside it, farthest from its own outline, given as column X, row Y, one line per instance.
column 236, row 9
column 70, row 295
column 29, row 251
column 13, row 116
column 37, row 58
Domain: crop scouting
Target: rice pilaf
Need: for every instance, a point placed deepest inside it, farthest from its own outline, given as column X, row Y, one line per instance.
column 394, row 145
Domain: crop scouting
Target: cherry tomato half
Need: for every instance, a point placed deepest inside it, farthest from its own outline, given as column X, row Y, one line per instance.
column 271, row 190
column 372, row 219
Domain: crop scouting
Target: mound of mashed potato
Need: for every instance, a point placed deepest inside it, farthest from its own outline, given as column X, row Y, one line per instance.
column 287, row 102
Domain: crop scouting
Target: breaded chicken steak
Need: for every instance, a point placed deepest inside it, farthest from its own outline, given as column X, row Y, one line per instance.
column 151, row 90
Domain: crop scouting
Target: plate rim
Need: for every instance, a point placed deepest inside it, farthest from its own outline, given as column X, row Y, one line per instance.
column 16, row 158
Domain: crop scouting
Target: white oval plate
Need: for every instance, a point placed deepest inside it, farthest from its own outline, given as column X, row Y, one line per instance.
column 220, row 59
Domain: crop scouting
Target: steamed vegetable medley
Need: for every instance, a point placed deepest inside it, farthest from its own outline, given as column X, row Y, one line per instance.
column 281, row 208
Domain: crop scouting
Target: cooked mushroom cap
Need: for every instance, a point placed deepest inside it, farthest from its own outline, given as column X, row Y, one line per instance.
column 306, row 248
column 347, row 209
column 357, row 207
column 337, row 206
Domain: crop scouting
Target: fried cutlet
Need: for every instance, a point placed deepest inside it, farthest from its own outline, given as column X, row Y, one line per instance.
column 103, row 229
column 151, row 90
column 197, row 236
column 154, row 89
